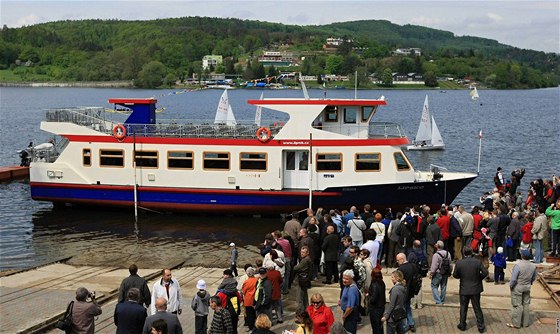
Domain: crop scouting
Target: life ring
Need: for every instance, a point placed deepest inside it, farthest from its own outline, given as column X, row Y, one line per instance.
column 263, row 134
column 278, row 124
column 119, row 132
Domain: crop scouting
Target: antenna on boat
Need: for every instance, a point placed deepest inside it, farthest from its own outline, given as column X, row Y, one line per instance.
column 305, row 94
column 135, row 185
column 479, row 151
column 356, row 85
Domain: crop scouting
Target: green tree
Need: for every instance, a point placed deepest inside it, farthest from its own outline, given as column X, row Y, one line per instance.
column 151, row 75
column 387, row 78
column 334, row 64
column 430, row 79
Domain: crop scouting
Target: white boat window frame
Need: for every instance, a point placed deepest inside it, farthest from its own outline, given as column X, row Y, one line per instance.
column 328, row 111
column 185, row 158
column 86, row 156
column 249, row 159
column 346, row 111
column 204, row 159
column 319, row 161
column 137, row 156
column 366, row 160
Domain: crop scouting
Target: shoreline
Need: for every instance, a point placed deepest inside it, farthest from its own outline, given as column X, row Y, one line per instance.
column 78, row 84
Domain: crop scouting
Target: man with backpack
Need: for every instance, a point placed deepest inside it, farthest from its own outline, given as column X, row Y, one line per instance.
column 418, row 257
column 440, row 271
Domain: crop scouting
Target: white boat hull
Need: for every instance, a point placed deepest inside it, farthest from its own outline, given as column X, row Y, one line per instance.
column 425, row 147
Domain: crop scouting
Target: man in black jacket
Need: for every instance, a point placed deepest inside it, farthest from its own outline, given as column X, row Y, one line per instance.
column 409, row 271
column 330, row 248
column 263, row 294
column 129, row 316
column 470, row 272
column 135, row 281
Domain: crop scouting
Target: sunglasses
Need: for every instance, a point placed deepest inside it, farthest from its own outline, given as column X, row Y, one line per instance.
column 316, row 303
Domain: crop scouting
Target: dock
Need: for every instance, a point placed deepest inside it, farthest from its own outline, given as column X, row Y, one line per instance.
column 14, row 173
column 47, row 290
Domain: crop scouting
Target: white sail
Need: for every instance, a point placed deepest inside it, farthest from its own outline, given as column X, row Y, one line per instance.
column 258, row 113
column 424, row 129
column 436, row 136
column 474, row 94
column 224, row 113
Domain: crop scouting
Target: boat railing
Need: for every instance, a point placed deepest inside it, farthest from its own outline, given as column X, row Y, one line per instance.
column 94, row 118
column 192, row 130
column 385, row 130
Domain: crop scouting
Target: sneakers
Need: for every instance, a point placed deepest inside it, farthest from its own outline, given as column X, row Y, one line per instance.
column 412, row 329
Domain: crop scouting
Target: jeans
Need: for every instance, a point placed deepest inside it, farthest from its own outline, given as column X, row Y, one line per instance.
column 438, row 280
column 539, row 255
column 375, row 315
column 396, row 327
column 409, row 321
column 499, row 274
column 201, row 324
column 351, row 322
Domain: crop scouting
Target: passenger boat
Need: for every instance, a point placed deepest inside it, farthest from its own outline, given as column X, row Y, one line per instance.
column 328, row 153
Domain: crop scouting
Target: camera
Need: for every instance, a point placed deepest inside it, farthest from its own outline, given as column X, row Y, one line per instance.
column 92, row 295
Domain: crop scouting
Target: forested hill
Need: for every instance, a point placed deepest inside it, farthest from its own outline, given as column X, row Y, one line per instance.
column 100, row 50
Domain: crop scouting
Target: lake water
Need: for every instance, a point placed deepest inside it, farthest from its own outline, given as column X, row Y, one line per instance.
column 520, row 129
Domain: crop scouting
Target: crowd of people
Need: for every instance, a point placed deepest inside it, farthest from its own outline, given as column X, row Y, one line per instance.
column 350, row 248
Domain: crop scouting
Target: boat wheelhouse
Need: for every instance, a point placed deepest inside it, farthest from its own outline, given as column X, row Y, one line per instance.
column 328, row 153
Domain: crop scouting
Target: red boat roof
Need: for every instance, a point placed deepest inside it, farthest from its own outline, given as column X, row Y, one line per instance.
column 339, row 102
column 150, row 100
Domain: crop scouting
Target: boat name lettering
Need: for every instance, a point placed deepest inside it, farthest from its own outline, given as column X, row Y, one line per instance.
column 295, row 143
column 328, row 176
column 410, row 187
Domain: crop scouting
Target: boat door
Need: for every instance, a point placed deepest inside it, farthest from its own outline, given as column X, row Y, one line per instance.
column 296, row 171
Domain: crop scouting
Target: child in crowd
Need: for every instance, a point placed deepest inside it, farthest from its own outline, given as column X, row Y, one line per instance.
column 199, row 304
column 499, row 260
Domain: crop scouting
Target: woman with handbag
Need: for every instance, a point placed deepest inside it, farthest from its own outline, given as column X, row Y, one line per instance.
column 394, row 313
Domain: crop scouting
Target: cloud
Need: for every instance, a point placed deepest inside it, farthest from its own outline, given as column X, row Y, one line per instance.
column 29, row 20
column 425, row 21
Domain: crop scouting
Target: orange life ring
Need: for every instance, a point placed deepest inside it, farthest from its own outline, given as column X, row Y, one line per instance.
column 263, row 134
column 119, row 132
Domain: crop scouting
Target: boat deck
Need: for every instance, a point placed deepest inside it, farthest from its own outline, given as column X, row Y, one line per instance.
column 94, row 118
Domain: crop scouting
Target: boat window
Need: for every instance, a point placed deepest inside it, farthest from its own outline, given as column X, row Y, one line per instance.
column 146, row 159
column 331, row 114
column 111, row 158
column 86, row 157
column 180, row 160
column 366, row 113
column 291, row 160
column 401, row 162
column 216, row 160
column 252, row 161
column 329, row 162
column 350, row 115
column 303, row 160
column 368, row 162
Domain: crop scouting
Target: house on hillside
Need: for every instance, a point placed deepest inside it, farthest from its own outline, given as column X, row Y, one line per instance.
column 408, row 52
column 408, row 78
column 211, row 61
column 275, row 58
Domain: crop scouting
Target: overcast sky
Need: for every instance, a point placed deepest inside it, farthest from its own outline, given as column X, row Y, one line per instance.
column 524, row 24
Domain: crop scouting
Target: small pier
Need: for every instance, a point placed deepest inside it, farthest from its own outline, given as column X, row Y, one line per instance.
column 13, row 173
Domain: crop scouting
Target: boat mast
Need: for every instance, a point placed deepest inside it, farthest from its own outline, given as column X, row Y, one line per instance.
column 310, row 170
column 135, row 185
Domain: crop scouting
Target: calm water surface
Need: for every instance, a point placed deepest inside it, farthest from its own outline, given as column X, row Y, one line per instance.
column 520, row 128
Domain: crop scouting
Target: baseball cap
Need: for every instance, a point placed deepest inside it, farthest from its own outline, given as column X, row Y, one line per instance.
column 232, row 244
column 262, row 270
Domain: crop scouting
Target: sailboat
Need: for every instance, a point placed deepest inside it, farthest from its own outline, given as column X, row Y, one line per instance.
column 224, row 113
column 428, row 136
column 474, row 93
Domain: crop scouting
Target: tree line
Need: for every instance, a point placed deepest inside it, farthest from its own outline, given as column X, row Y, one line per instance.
column 161, row 52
